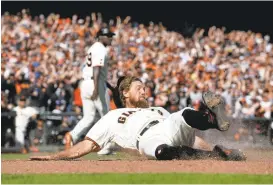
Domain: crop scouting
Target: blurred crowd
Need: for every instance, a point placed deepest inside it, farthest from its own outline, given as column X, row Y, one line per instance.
column 42, row 58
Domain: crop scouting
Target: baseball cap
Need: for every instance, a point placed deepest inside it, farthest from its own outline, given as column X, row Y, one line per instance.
column 105, row 32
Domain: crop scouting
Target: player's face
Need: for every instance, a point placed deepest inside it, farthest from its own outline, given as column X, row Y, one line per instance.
column 137, row 95
column 106, row 40
column 21, row 103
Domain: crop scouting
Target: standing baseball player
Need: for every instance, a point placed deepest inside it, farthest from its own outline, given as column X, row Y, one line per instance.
column 152, row 131
column 93, row 86
column 24, row 115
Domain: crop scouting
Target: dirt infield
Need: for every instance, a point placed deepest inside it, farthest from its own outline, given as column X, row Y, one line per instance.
column 258, row 162
column 143, row 166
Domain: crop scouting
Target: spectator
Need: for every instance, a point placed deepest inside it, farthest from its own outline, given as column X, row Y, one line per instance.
column 39, row 133
column 7, row 126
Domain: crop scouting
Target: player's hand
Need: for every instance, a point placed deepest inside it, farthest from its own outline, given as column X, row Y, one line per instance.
column 95, row 95
column 40, row 158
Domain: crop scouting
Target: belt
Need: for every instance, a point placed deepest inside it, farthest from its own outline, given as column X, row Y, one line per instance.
column 145, row 129
column 88, row 78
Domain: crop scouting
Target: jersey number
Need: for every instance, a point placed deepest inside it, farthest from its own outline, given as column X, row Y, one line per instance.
column 89, row 60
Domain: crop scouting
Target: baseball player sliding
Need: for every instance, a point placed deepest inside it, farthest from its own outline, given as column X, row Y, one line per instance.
column 93, row 86
column 153, row 132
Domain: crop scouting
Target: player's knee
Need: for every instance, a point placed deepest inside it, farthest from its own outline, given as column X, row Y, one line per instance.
column 164, row 152
column 89, row 118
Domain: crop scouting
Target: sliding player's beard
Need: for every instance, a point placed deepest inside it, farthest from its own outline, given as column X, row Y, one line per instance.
column 142, row 103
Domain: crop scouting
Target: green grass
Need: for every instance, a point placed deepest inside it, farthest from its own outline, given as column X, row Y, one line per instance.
column 91, row 156
column 14, row 156
column 111, row 178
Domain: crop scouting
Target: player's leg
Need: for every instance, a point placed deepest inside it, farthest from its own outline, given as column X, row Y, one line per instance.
column 102, row 102
column 157, row 149
column 183, row 133
column 89, row 113
column 161, row 148
column 148, row 144
column 174, row 139
column 20, row 139
column 184, row 139
column 158, row 141
column 20, row 132
column 102, row 105
column 167, row 152
column 213, row 115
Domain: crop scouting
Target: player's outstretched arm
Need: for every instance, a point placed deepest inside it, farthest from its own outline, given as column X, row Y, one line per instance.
column 82, row 148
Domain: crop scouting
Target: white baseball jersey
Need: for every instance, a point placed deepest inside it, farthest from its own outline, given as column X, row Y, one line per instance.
column 123, row 126
column 97, row 52
column 21, row 121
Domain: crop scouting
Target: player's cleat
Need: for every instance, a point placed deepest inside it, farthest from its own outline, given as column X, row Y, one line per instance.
column 229, row 154
column 33, row 149
column 24, row 151
column 216, row 106
column 68, row 141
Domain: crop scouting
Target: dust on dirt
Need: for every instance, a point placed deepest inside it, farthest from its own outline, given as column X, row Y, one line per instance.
column 258, row 162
